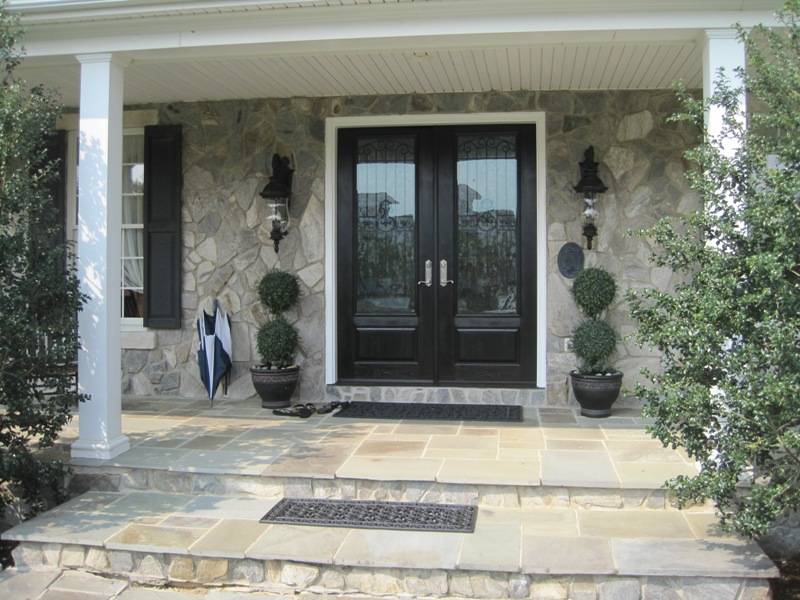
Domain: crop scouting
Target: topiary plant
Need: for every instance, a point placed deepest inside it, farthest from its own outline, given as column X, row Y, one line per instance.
column 279, row 291
column 277, row 338
column 276, row 342
column 594, row 290
column 593, row 341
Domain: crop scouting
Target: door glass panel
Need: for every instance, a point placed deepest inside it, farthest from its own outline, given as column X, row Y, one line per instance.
column 487, row 224
column 385, row 225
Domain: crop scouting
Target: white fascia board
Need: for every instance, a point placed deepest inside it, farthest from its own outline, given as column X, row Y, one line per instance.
column 51, row 10
column 55, row 11
column 348, row 26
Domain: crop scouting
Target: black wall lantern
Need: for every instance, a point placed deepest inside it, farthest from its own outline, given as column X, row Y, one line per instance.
column 278, row 194
column 588, row 187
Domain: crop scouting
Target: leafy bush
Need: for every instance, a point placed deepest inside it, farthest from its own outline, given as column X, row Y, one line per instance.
column 729, row 389
column 277, row 341
column 277, row 338
column 279, row 291
column 593, row 342
column 594, row 290
column 39, row 294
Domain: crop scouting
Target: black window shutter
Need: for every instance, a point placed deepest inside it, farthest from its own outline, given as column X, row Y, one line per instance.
column 56, row 147
column 163, row 188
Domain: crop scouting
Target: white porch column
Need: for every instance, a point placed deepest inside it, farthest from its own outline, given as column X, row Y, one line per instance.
column 99, row 246
column 722, row 49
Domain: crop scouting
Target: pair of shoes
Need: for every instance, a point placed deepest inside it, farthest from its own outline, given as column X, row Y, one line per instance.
column 298, row 410
column 329, row 407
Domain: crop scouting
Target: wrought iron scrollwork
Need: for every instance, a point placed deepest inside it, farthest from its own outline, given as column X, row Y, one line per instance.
column 487, row 236
column 386, row 232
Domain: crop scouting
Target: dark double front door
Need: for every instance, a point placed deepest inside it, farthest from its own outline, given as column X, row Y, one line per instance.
column 436, row 255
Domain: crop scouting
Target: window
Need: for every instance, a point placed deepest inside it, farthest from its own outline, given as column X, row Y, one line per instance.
column 132, row 286
column 135, row 122
column 132, row 251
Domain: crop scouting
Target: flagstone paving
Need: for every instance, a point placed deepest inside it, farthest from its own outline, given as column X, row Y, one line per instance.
column 558, row 495
column 531, row 540
column 551, row 447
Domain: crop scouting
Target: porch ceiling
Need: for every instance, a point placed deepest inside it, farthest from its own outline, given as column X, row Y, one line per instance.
column 589, row 65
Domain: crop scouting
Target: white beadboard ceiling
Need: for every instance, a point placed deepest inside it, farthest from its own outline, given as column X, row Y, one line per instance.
column 590, row 66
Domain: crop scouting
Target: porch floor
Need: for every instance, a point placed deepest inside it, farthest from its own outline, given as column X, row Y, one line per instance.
column 551, row 447
column 562, row 501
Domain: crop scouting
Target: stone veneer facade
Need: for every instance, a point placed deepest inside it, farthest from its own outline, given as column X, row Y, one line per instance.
column 227, row 250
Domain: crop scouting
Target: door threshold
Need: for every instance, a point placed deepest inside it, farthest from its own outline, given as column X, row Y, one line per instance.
column 370, row 383
column 512, row 396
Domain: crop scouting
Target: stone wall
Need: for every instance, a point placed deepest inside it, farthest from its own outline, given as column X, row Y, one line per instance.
column 227, row 146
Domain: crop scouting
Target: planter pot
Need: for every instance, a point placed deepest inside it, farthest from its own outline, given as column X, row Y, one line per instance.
column 596, row 393
column 275, row 386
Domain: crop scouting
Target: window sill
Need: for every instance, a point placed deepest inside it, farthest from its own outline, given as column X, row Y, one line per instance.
column 141, row 339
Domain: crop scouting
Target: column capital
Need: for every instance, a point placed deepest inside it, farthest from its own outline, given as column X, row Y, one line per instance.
column 722, row 33
column 103, row 57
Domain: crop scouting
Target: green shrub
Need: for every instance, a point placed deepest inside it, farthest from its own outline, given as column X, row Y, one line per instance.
column 277, row 342
column 279, row 291
column 594, row 290
column 728, row 390
column 593, row 342
column 40, row 295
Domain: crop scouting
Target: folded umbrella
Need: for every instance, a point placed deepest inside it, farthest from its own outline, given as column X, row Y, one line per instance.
column 215, row 352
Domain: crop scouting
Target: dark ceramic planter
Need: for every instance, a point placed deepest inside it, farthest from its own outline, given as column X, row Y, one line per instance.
column 275, row 387
column 596, row 393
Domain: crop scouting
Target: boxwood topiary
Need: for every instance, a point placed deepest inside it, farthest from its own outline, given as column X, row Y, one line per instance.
column 594, row 290
column 279, row 291
column 593, row 342
column 277, row 341
column 277, row 338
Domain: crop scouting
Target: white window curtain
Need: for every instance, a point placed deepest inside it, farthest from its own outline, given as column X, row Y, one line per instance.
column 133, row 240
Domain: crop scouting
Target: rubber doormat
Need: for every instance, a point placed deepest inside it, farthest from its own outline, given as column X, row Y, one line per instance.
column 432, row 412
column 369, row 514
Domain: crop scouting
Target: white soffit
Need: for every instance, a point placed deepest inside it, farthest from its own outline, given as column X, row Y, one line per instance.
column 590, row 66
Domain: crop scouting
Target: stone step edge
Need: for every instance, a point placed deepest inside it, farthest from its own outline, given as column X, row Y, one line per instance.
column 529, row 397
column 282, row 576
column 85, row 479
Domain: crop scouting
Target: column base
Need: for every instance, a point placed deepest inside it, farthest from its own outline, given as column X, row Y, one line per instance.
column 100, row 450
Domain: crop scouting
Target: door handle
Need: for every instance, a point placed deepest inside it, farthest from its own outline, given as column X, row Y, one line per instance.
column 428, row 274
column 443, row 280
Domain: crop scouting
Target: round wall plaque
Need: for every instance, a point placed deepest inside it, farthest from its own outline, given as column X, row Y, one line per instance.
column 570, row 260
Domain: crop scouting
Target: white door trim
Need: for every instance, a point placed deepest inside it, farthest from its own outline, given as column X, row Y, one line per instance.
column 332, row 126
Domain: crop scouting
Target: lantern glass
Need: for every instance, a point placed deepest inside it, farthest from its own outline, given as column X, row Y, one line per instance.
column 279, row 212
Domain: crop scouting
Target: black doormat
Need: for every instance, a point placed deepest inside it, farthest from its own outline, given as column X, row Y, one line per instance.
column 368, row 514
column 433, row 412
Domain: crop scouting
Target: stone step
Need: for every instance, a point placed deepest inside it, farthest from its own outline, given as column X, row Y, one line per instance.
column 46, row 583
column 208, row 540
column 439, row 395
column 126, row 479
column 552, row 457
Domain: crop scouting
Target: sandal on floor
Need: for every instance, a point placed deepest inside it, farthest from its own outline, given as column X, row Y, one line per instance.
column 328, row 407
column 298, row 410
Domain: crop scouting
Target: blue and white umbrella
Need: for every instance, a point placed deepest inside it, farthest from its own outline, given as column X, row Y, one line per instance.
column 215, row 354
